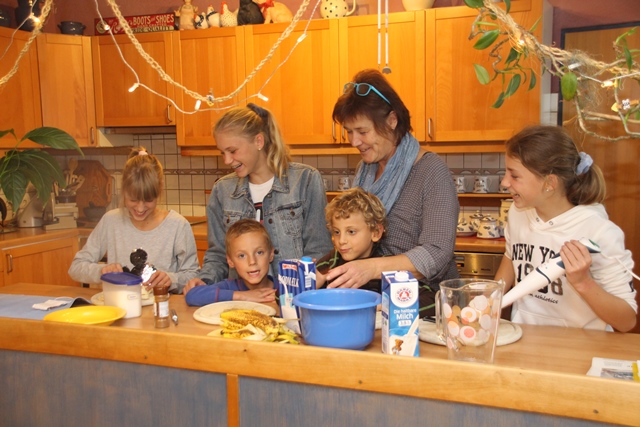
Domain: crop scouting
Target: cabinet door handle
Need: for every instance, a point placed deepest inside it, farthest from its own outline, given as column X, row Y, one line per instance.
column 9, row 263
column 429, row 129
column 92, row 137
column 169, row 113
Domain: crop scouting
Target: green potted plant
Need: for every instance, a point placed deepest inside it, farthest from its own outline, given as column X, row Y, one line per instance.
column 18, row 168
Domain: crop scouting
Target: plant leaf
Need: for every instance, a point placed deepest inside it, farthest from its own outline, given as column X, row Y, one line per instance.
column 486, row 39
column 474, row 4
column 507, row 3
column 499, row 101
column 569, row 85
column 513, row 56
column 535, row 25
column 482, row 74
column 513, row 85
column 52, row 137
column 628, row 57
column 4, row 132
column 532, row 82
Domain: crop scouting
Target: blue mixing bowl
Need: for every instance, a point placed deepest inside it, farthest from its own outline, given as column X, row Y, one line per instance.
column 338, row 318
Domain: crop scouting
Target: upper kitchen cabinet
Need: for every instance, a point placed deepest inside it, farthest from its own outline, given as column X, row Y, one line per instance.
column 20, row 108
column 115, row 105
column 358, row 47
column 301, row 92
column 458, row 106
column 66, row 85
column 211, row 61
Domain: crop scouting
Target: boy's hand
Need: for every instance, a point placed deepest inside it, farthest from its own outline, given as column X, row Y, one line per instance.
column 192, row 284
column 264, row 295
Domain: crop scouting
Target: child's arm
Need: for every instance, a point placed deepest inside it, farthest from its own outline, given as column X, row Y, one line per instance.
column 611, row 309
column 506, row 273
column 263, row 295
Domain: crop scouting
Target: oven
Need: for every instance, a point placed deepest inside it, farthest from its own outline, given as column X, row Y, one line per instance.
column 480, row 265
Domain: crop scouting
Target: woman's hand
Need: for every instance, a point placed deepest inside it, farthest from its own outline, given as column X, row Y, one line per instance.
column 577, row 262
column 264, row 295
column 353, row 274
column 111, row 268
column 192, row 284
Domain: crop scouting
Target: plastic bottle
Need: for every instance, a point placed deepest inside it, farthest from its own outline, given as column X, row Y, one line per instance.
column 161, row 306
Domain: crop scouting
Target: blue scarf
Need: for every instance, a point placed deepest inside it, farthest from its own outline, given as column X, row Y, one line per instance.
column 390, row 183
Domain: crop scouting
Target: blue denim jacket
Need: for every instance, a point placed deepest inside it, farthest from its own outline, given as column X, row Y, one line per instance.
column 293, row 213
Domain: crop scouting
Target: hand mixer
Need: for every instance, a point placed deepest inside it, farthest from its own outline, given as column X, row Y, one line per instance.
column 543, row 275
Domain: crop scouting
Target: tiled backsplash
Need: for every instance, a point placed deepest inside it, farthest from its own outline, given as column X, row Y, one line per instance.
column 188, row 179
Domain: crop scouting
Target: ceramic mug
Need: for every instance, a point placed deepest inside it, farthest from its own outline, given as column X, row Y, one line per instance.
column 343, row 183
column 462, row 183
column 486, row 184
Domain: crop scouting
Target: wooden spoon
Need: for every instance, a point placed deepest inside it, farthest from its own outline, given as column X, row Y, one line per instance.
column 73, row 164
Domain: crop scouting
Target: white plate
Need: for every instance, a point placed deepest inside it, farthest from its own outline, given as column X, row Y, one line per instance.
column 98, row 299
column 466, row 233
column 508, row 332
column 211, row 313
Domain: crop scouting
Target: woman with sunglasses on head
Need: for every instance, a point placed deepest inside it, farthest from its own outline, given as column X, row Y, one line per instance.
column 414, row 185
column 265, row 185
column 140, row 231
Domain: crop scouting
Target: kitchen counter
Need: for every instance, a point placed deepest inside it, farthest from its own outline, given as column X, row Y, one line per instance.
column 26, row 236
column 180, row 376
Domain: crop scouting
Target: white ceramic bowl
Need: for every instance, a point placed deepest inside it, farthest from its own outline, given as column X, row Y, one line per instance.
column 417, row 4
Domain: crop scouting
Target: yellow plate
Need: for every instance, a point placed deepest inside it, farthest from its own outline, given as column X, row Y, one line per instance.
column 87, row 315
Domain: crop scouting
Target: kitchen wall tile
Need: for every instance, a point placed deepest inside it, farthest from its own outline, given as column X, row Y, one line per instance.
column 340, row 162
column 187, row 178
column 325, row 162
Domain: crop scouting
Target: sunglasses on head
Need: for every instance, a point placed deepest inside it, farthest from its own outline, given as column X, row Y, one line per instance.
column 363, row 89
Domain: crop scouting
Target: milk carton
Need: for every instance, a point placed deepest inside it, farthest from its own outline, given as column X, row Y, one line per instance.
column 294, row 276
column 400, row 314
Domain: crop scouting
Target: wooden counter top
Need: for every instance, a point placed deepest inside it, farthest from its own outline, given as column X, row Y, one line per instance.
column 34, row 235
column 543, row 373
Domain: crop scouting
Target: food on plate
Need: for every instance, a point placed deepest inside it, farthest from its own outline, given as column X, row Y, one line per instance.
column 255, row 326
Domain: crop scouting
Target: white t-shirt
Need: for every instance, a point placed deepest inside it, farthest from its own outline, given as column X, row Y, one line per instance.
column 531, row 241
column 258, row 192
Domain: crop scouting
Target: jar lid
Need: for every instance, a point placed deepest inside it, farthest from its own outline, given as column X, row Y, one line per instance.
column 121, row 278
column 160, row 290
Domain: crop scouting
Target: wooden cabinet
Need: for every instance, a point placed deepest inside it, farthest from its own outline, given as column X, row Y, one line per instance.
column 115, row 105
column 66, row 85
column 45, row 262
column 20, row 108
column 458, row 106
column 301, row 92
column 406, row 35
column 210, row 60
column 202, row 246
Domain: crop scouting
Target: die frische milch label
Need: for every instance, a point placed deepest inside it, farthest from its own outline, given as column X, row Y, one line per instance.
column 400, row 314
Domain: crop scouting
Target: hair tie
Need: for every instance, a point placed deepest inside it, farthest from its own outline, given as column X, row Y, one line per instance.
column 585, row 163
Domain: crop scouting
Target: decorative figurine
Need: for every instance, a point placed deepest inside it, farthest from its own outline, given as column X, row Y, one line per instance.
column 228, row 18
column 201, row 21
column 213, row 17
column 249, row 13
column 274, row 11
column 187, row 14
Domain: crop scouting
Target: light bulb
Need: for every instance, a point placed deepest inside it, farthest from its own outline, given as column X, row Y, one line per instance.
column 198, row 103
column 261, row 96
column 134, row 87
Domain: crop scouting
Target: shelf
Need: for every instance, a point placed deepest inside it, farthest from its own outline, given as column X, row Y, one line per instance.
column 482, row 200
column 484, row 195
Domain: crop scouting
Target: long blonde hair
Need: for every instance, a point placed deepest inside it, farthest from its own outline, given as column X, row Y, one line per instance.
column 252, row 120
